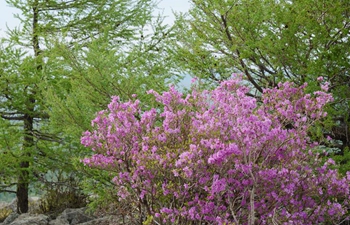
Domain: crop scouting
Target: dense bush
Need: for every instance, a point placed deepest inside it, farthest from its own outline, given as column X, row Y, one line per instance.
column 60, row 195
column 220, row 157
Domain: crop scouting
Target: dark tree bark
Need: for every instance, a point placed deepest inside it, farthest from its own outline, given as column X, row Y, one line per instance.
column 23, row 178
column 28, row 122
column 23, row 189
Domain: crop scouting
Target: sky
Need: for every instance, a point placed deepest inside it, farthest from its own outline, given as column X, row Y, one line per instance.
column 6, row 13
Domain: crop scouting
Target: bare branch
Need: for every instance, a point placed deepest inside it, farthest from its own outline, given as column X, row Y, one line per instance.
column 8, row 191
column 12, row 117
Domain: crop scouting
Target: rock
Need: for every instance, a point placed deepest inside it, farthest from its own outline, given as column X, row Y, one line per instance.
column 67, row 217
column 3, row 205
column 33, row 204
column 13, row 205
column 107, row 220
column 28, row 219
column 10, row 218
column 72, row 217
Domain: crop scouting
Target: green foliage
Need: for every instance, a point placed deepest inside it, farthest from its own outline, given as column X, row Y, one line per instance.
column 104, row 68
column 92, row 73
column 148, row 221
column 63, row 64
column 343, row 160
column 269, row 42
column 101, row 193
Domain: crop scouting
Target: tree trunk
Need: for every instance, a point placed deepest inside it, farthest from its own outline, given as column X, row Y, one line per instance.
column 28, row 143
column 22, row 188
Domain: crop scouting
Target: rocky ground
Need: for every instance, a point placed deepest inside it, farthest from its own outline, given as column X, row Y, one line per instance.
column 67, row 217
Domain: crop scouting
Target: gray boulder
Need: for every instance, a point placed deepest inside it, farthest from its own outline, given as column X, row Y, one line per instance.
column 72, row 217
column 67, row 217
column 10, row 218
column 107, row 220
column 27, row 219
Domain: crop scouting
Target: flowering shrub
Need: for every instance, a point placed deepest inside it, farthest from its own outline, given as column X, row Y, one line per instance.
column 220, row 157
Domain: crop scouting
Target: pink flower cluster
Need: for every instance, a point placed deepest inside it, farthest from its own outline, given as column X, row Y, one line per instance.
column 220, row 157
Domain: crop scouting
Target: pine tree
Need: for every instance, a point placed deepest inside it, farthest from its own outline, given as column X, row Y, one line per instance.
column 269, row 42
column 45, row 61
